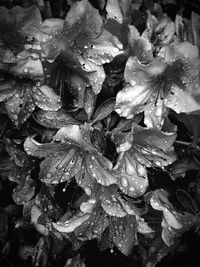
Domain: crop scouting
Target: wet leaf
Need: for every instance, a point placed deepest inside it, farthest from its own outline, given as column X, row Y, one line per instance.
column 24, row 192
column 195, row 19
column 3, row 227
column 104, row 110
column 186, row 201
column 54, row 119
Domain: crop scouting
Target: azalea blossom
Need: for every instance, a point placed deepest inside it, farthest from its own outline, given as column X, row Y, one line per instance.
column 172, row 82
column 107, row 210
column 71, row 154
column 142, row 149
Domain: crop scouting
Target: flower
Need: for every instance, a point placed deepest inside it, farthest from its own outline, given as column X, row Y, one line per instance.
column 107, row 210
column 169, row 83
column 141, row 149
column 72, row 154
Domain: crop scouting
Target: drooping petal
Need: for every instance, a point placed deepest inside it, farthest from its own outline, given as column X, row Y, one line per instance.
column 132, row 177
column 82, row 18
column 181, row 101
column 103, row 48
column 45, row 98
column 71, row 224
column 123, row 233
column 32, row 147
column 100, row 168
column 110, row 202
column 154, row 114
column 28, row 67
column 94, row 226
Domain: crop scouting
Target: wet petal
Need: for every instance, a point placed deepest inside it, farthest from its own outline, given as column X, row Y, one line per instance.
column 45, row 98
column 71, row 224
column 100, row 168
column 83, row 18
column 110, row 203
column 28, row 68
column 181, row 101
column 123, row 233
column 103, row 49
column 94, row 226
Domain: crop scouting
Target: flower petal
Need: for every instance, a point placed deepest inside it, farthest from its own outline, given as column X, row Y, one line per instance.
column 45, row 98
column 110, row 203
column 181, row 101
column 123, row 233
column 71, row 224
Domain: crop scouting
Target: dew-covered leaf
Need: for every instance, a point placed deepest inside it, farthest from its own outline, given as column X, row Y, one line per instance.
column 186, row 201
column 178, row 168
column 89, row 102
column 3, row 226
column 24, row 192
column 54, row 119
column 123, row 233
column 104, row 110
column 195, row 21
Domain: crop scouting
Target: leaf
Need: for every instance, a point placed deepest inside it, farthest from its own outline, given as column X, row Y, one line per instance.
column 195, row 19
column 186, row 201
column 24, row 192
column 3, row 227
column 104, row 110
column 89, row 102
column 54, row 119
column 123, row 233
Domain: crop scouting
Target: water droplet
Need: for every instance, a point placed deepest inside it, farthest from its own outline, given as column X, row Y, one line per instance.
column 124, row 182
column 88, row 190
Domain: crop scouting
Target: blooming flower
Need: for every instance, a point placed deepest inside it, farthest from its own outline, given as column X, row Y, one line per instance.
column 169, row 83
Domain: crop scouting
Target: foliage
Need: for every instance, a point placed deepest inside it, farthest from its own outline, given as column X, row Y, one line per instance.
column 99, row 131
